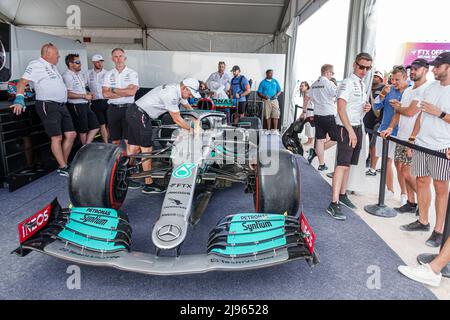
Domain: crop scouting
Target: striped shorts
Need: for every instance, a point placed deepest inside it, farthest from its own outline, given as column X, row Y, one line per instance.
column 425, row 165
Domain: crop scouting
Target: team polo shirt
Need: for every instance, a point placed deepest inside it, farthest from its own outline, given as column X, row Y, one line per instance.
column 76, row 82
column 121, row 80
column 162, row 99
column 95, row 82
column 353, row 91
column 237, row 84
column 323, row 96
column 434, row 133
column 48, row 82
column 406, row 124
column 269, row 88
column 388, row 110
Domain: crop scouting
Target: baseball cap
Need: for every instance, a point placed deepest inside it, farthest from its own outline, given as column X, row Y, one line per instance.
column 419, row 63
column 97, row 57
column 379, row 75
column 235, row 68
column 441, row 59
column 193, row 86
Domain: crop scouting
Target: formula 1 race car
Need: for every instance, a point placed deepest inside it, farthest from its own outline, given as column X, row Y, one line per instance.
column 191, row 165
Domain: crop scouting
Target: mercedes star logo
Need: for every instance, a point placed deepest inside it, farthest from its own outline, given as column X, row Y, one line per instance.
column 169, row 233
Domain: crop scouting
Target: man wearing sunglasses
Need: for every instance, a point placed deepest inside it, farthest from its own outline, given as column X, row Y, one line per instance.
column 154, row 104
column 51, row 98
column 78, row 101
column 352, row 105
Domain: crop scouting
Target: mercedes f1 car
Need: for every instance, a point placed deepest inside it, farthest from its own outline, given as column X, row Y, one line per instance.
column 94, row 231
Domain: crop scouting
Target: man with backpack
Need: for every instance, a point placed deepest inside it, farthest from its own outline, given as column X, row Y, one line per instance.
column 240, row 89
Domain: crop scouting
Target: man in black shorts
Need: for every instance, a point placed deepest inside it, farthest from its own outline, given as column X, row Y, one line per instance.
column 79, row 99
column 51, row 97
column 239, row 90
column 160, row 100
column 120, row 87
column 96, row 78
column 323, row 96
column 352, row 104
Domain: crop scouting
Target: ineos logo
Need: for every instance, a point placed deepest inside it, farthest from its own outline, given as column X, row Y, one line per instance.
column 169, row 233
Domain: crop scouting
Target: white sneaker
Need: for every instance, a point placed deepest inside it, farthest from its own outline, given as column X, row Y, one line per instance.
column 404, row 199
column 423, row 274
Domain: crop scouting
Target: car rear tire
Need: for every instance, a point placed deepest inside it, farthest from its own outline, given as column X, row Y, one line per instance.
column 98, row 177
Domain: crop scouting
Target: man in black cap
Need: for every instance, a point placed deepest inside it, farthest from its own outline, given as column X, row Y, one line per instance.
column 406, row 113
column 432, row 131
column 240, row 89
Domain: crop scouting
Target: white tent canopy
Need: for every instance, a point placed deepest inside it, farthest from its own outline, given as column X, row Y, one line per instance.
column 246, row 26
column 236, row 26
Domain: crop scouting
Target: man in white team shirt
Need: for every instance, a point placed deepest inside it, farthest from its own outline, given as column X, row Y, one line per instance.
column 160, row 100
column 79, row 99
column 352, row 104
column 96, row 78
column 406, row 113
column 432, row 131
column 323, row 96
column 120, row 87
column 51, row 98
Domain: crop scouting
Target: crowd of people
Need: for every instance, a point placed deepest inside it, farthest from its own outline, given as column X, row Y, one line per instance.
column 78, row 104
column 404, row 106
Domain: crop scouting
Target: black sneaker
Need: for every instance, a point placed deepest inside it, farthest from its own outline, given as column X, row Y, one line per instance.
column 371, row 173
column 134, row 185
column 344, row 200
column 415, row 226
column 407, row 208
column 312, row 155
column 63, row 171
column 335, row 211
column 153, row 188
column 435, row 241
column 323, row 168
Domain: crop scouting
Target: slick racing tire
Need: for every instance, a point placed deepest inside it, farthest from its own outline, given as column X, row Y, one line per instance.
column 277, row 188
column 98, row 177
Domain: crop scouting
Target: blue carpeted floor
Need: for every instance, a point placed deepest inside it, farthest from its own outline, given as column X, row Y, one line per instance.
column 347, row 251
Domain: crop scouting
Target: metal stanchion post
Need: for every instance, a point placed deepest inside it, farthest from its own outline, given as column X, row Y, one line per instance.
column 380, row 209
column 427, row 258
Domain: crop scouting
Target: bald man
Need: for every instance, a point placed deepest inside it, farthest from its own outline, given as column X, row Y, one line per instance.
column 51, row 98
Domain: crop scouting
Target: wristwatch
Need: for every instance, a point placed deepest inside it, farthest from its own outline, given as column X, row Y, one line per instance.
column 443, row 115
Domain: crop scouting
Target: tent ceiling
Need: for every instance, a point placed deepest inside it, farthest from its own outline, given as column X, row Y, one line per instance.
column 240, row 16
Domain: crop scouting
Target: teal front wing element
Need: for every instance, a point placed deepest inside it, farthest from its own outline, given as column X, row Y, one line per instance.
column 92, row 231
column 97, row 222
column 251, row 249
column 96, row 211
column 259, row 236
column 88, row 243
